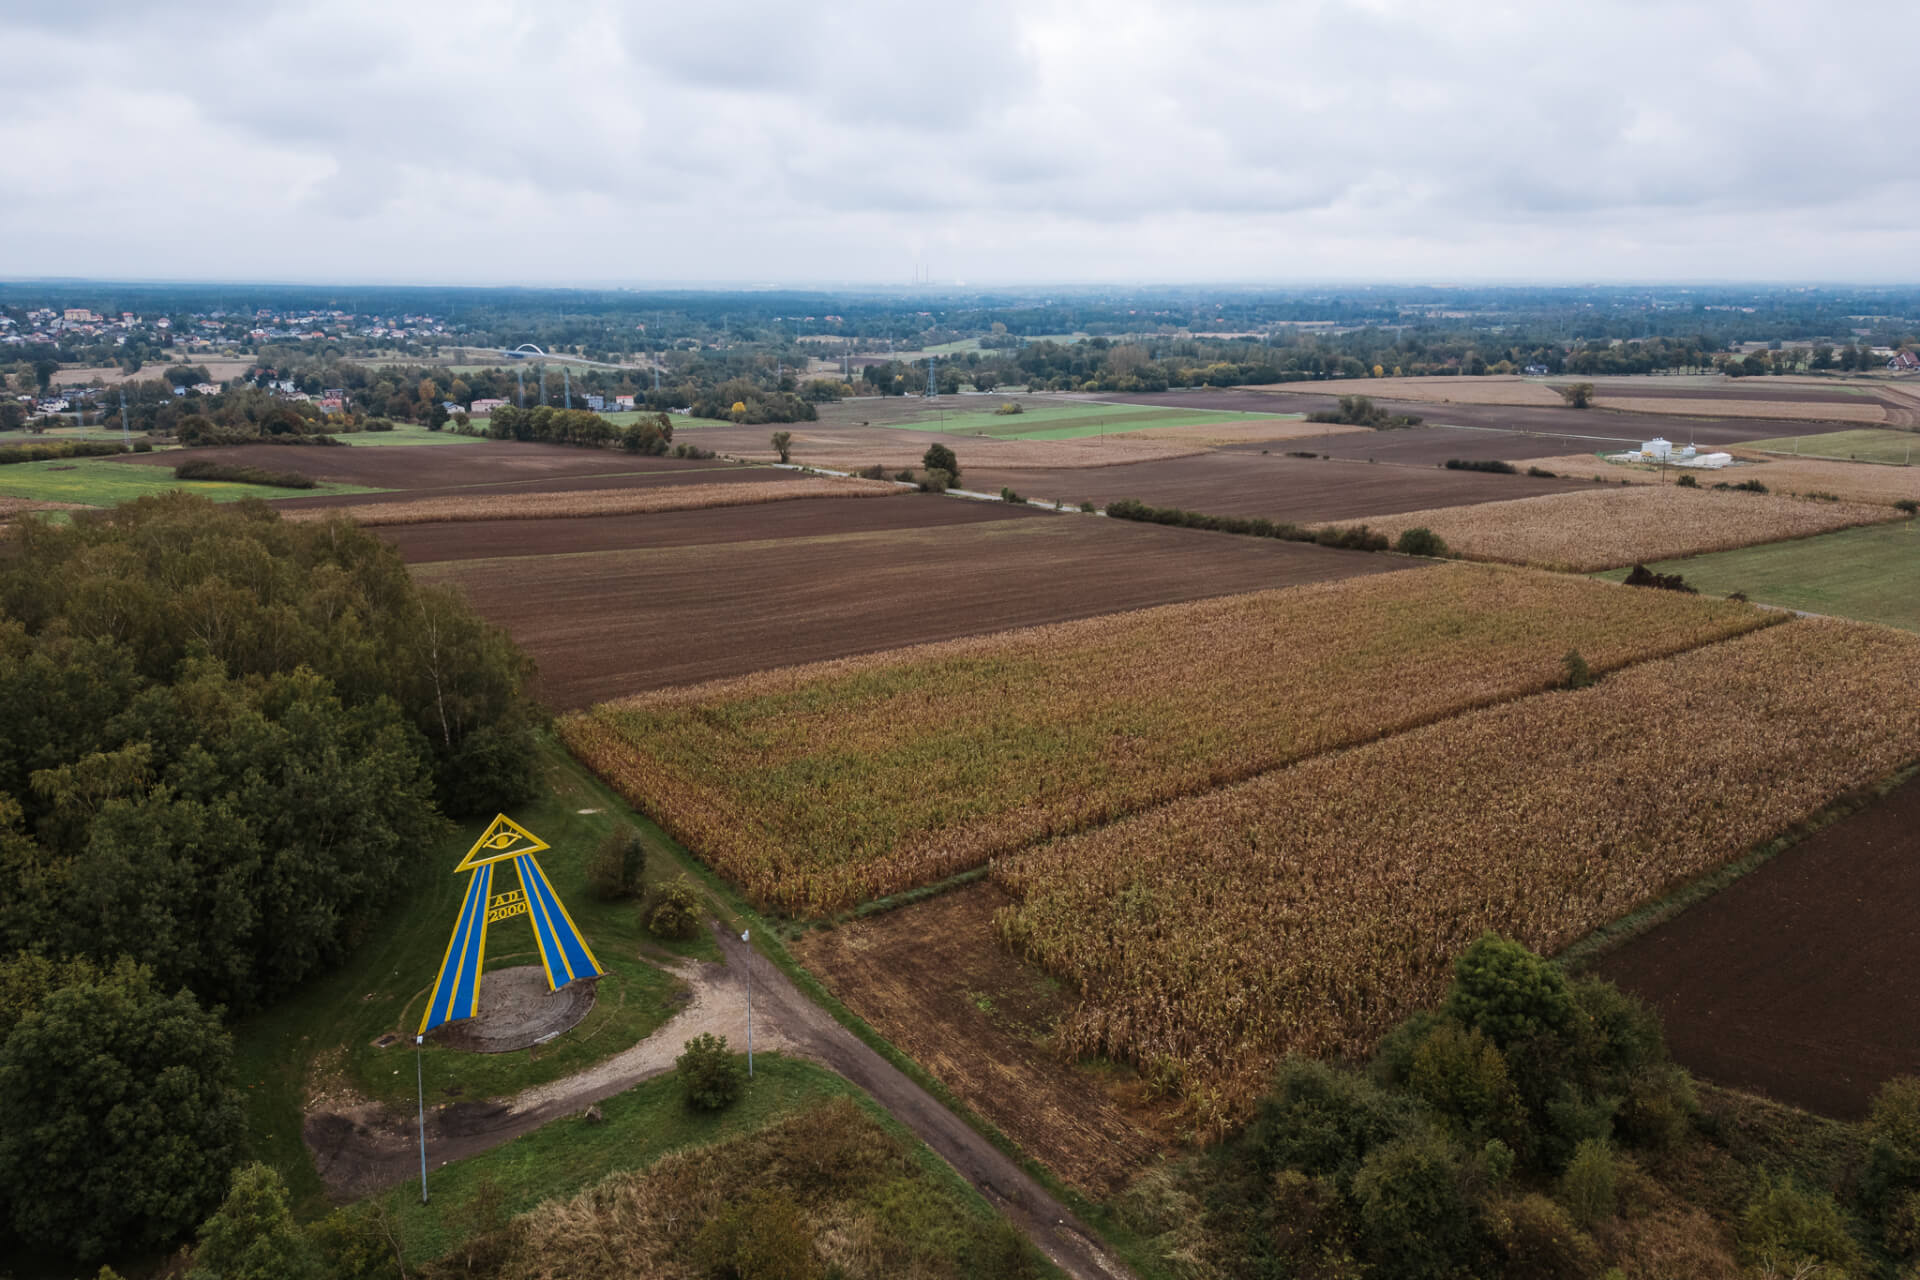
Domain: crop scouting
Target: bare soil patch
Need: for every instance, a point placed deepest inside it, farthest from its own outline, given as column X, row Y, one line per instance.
column 1492, row 389
column 932, row 979
column 579, row 504
column 1216, row 434
column 1275, row 486
column 852, row 447
column 465, row 540
column 616, row 622
column 1851, row 410
column 433, row 467
column 1796, row 981
column 518, row 1011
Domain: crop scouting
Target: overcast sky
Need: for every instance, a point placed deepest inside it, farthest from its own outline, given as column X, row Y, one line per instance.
column 519, row 141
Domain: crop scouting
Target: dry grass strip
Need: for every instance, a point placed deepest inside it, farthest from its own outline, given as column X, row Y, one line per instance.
column 598, row 502
column 1782, row 474
column 1310, row 909
column 1609, row 527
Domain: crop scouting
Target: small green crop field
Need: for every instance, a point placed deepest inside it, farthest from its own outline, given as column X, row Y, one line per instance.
column 681, row 421
column 1869, row 444
column 406, row 433
column 103, row 482
column 1076, row 420
column 325, row 1035
column 1871, row 574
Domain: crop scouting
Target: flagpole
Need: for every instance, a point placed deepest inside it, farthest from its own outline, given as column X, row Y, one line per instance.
column 749, row 966
column 419, row 1081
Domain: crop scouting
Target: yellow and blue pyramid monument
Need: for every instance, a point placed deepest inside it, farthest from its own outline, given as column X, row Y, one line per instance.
column 563, row 952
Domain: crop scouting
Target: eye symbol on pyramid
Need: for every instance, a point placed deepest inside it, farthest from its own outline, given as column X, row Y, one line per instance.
column 502, row 841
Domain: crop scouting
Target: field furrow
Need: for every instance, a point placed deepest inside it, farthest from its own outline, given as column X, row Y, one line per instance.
column 818, row 787
column 1308, row 910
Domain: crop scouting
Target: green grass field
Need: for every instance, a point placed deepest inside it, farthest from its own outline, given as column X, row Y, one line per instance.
column 1871, row 573
column 326, row 1033
column 1869, row 444
column 1076, row 420
column 406, row 433
column 102, row 482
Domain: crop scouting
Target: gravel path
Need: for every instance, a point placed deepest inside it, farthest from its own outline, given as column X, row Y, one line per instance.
column 363, row 1149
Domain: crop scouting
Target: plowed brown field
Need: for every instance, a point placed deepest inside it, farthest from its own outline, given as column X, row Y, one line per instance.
column 620, row 621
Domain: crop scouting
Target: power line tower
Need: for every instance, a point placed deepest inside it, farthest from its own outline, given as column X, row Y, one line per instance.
column 126, row 432
column 520, row 385
column 566, row 383
column 933, row 387
column 540, row 372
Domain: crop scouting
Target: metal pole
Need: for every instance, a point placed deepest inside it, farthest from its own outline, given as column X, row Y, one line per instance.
column 419, row 1081
column 743, row 937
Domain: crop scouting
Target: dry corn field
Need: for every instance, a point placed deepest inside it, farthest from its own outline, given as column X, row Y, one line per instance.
column 1606, row 528
column 1787, row 476
column 598, row 502
column 814, row 788
column 1310, row 909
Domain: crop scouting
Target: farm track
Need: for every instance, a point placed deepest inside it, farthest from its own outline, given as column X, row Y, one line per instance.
column 366, row 1149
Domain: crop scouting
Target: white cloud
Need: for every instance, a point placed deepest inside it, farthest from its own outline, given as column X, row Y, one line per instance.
column 1053, row 140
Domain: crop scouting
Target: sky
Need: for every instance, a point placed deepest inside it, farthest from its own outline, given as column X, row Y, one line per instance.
column 1046, row 141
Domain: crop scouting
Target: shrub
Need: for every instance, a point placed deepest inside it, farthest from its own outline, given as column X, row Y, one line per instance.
column 1659, row 1108
column 1575, row 674
column 1463, row 1077
column 1641, row 576
column 1787, row 1227
column 252, row 1235
column 1577, row 395
column 906, row 477
column 208, row 469
column 940, row 458
column 709, row 1072
column 1900, row 1228
column 1541, row 1242
column 935, row 480
column 1590, row 1188
column 1481, row 464
column 1907, row 505
column 1893, row 1144
column 1324, row 1121
column 675, row 912
column 615, row 868
column 766, row 1238
column 1687, row 481
column 1508, row 992
column 783, row 445
column 1414, row 1219
column 1009, row 496
column 1087, row 507
column 1010, row 407
column 874, row 472
column 58, row 449
column 1420, row 541
column 1543, row 473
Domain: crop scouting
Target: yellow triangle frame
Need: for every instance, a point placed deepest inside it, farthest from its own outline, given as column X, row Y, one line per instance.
column 504, row 838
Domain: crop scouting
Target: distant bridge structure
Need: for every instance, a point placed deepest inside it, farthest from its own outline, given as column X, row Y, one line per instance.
column 526, row 349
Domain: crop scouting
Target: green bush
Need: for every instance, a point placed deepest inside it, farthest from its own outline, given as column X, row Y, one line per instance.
column 766, row 1238
column 1324, row 1121
column 934, row 480
column 1687, row 482
column 1788, row 1227
column 617, row 864
column 1893, row 1144
column 783, row 445
column 1590, row 1188
column 675, row 911
column 1907, row 505
column 709, row 1072
column 1007, row 495
column 1420, row 541
column 1414, row 1219
column 58, row 449
column 1508, row 992
column 1574, row 671
column 252, row 1235
column 1463, row 1077
column 1087, row 507
column 233, row 473
column 1659, row 1109
column 1481, row 464
column 940, row 458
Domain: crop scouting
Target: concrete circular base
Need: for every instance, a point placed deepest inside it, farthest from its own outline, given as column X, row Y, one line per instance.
column 517, row 1011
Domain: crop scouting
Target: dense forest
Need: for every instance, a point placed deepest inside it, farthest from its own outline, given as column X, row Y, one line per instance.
column 228, row 740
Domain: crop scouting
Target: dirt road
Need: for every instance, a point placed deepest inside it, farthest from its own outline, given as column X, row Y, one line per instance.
column 363, row 1149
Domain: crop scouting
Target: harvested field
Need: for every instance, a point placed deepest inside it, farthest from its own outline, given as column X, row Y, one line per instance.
column 1796, row 981
column 424, row 543
column 1862, row 411
column 850, row 448
column 620, row 621
column 1310, row 909
column 712, row 473
column 575, row 504
column 930, row 978
column 1492, row 389
column 817, row 787
column 1605, row 527
column 217, row 368
column 1848, row 481
column 428, row 467
column 1274, row 486
column 1257, row 431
